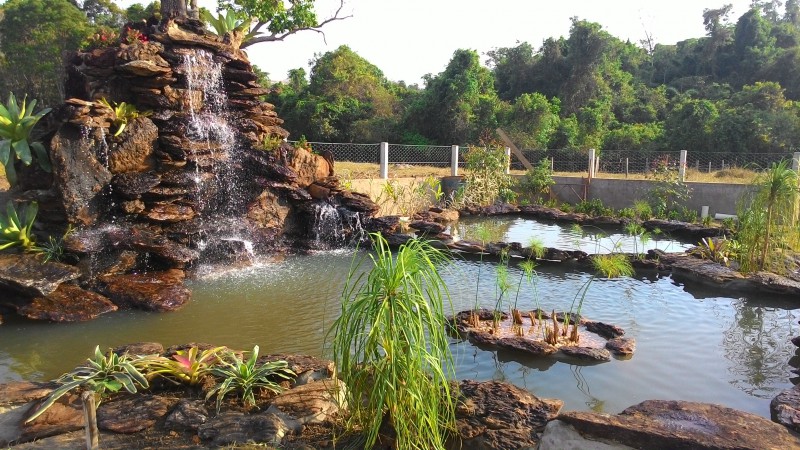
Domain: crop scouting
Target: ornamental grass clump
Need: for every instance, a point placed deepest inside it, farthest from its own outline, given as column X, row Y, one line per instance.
column 391, row 347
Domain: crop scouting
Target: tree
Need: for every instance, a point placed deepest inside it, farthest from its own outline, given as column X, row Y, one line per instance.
column 272, row 20
column 138, row 12
column 101, row 12
column 532, row 120
column 719, row 34
column 513, row 69
column 459, row 104
column 689, row 125
column 34, row 34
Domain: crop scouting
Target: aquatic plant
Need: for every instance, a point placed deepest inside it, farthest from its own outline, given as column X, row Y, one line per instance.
column 16, row 230
column 639, row 234
column 483, row 233
column 245, row 377
column 611, row 266
column 17, row 121
column 103, row 374
column 185, row 367
column 391, row 347
column 53, row 249
column 716, row 250
column 502, row 285
column 768, row 225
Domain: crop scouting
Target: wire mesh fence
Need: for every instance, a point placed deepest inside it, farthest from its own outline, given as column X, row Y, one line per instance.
column 422, row 155
column 562, row 161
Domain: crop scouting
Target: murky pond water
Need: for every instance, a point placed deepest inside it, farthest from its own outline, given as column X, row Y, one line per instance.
column 693, row 343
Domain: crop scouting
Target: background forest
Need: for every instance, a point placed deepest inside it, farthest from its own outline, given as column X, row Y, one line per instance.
column 734, row 90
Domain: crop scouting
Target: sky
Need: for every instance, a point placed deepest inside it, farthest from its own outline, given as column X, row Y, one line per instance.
column 407, row 39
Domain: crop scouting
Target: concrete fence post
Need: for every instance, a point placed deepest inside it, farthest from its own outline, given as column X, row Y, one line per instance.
column 796, row 162
column 796, row 207
column 454, row 161
column 508, row 160
column 682, row 167
column 385, row 160
column 591, row 163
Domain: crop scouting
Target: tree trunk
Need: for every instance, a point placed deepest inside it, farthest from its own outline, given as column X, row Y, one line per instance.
column 173, row 9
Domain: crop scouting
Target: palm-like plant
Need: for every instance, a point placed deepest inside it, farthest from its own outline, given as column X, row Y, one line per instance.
column 247, row 376
column 17, row 229
column 16, row 124
column 391, row 347
column 102, row 374
column 231, row 22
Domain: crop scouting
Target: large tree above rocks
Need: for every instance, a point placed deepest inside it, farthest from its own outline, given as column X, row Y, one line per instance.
column 273, row 20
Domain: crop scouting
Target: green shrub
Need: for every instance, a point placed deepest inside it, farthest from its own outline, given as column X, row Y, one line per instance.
column 593, row 207
column 485, row 178
column 537, row 181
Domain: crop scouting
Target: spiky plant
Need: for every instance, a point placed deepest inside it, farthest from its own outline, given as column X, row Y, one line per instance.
column 391, row 347
column 16, row 125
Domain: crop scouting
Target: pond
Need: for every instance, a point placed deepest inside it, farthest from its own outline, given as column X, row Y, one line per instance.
column 692, row 343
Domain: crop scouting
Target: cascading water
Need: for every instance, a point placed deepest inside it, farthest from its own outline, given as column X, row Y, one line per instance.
column 208, row 126
column 335, row 226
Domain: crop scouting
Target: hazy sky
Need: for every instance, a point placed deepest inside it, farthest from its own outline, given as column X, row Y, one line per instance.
column 410, row 38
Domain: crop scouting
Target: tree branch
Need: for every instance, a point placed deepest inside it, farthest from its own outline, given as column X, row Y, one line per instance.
column 283, row 35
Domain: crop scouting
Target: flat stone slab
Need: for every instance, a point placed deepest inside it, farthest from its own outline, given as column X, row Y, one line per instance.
column 68, row 303
column 621, row 346
column 27, row 275
column 497, row 415
column 680, row 424
column 18, row 392
column 585, row 353
column 133, row 413
column 152, row 291
column 187, row 415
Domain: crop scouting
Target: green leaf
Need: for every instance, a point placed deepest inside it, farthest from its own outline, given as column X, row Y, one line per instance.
column 23, row 151
column 42, row 157
column 5, row 151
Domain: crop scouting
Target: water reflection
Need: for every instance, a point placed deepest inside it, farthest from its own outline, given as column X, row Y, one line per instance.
column 757, row 341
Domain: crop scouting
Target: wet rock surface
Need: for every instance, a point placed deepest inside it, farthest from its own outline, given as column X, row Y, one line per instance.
column 154, row 291
column 68, row 303
column 680, row 424
column 785, row 408
column 27, row 275
column 621, row 346
column 585, row 353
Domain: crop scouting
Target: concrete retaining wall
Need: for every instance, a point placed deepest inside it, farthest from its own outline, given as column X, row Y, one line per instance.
column 618, row 193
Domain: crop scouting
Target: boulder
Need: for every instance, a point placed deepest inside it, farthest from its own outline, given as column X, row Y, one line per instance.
column 309, row 167
column 235, row 427
column 357, row 202
column 269, row 210
column 187, row 415
column 606, row 330
column 621, row 346
column 68, row 303
column 785, row 408
column 169, row 212
column 131, row 151
column 133, row 413
column 140, row 348
column 310, row 403
column 133, row 184
column 306, row 368
column 427, row 227
column 680, row 424
column 496, row 415
column 18, row 392
column 78, row 176
column 141, row 68
column 152, row 291
column 27, row 275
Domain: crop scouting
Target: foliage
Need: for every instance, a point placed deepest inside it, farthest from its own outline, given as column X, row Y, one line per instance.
column 16, row 230
column 53, row 249
column 103, row 374
column 409, row 199
column 231, row 22
column 16, row 124
column 593, row 207
column 639, row 234
column 247, row 376
column 391, row 347
column 485, row 177
column 34, row 36
column 103, row 37
column 123, row 113
column 768, row 228
column 186, row 366
column 272, row 143
column 642, row 210
column 669, row 193
column 537, row 181
column 716, row 250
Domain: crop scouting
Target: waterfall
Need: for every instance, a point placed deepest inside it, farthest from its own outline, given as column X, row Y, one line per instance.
column 208, row 124
column 335, row 226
